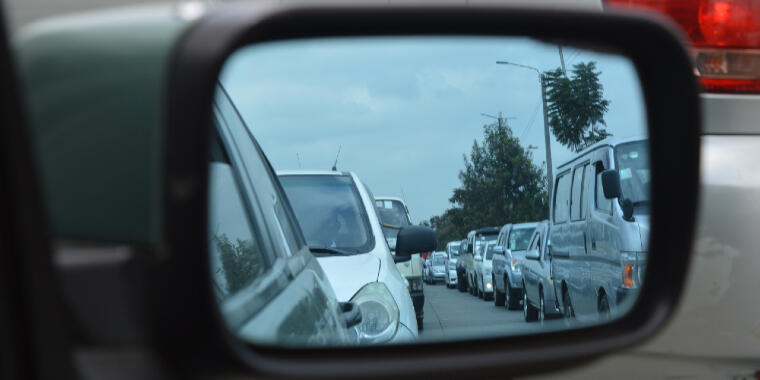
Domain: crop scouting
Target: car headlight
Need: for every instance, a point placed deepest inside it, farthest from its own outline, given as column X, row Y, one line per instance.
column 514, row 265
column 380, row 315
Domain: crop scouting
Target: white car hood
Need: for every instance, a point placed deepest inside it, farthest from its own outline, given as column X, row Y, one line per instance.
column 347, row 274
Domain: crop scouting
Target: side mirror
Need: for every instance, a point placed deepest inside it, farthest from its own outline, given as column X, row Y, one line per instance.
column 532, row 254
column 498, row 250
column 413, row 239
column 611, row 184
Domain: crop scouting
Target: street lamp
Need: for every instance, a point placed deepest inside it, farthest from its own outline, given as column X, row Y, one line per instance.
column 549, row 177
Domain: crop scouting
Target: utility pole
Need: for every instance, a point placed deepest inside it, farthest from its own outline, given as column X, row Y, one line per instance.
column 499, row 118
column 549, row 176
column 547, row 140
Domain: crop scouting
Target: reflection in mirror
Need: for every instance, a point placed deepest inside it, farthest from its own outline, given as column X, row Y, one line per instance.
column 470, row 156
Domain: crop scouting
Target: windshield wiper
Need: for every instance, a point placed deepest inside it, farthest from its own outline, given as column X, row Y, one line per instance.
column 332, row 251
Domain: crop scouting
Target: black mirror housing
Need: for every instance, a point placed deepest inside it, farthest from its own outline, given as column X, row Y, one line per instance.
column 414, row 239
column 611, row 184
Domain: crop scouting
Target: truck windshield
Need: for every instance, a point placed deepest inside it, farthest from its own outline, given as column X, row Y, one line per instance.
column 632, row 162
column 394, row 213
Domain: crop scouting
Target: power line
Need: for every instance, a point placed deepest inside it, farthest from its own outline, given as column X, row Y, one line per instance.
column 530, row 122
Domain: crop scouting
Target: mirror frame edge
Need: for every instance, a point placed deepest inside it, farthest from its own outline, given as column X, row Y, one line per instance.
column 196, row 64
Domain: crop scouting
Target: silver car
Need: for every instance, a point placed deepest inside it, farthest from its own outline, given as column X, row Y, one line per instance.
column 539, row 298
column 600, row 227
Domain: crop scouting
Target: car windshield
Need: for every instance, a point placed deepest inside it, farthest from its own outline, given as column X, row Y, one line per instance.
column 437, row 260
column 481, row 242
column 454, row 250
column 330, row 212
column 632, row 161
column 519, row 238
column 394, row 213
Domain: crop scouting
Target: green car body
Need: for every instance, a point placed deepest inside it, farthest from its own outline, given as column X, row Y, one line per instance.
column 95, row 89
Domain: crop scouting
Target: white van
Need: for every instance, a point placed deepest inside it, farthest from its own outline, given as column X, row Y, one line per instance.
column 600, row 227
column 337, row 215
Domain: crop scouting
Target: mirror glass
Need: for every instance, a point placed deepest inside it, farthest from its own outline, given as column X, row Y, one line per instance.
column 325, row 150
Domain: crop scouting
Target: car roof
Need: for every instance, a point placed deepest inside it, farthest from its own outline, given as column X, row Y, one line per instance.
column 525, row 225
column 609, row 141
column 312, row 172
column 390, row 199
column 487, row 230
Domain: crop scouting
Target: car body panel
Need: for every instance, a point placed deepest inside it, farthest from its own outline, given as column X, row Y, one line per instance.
column 100, row 179
column 537, row 275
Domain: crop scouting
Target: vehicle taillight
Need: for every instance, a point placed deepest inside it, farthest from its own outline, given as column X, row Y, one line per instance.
column 724, row 36
column 628, row 276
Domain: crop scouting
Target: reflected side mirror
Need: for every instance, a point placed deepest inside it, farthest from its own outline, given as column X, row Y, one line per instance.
column 611, row 184
column 413, row 239
column 498, row 250
column 532, row 254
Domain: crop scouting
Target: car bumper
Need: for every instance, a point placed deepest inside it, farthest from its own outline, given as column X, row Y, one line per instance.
column 452, row 278
column 438, row 276
column 625, row 295
column 418, row 299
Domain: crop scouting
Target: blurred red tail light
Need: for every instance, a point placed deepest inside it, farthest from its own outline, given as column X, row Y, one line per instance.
column 724, row 36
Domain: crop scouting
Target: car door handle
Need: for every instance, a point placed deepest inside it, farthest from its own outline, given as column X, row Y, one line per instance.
column 585, row 244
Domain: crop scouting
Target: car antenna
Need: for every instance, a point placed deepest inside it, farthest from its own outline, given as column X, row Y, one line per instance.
column 335, row 164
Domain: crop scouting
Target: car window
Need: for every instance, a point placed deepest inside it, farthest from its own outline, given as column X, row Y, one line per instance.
column 562, row 198
column 520, row 238
column 601, row 202
column 576, row 206
column 237, row 256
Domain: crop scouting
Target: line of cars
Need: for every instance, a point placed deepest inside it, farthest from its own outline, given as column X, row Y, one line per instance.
column 303, row 252
column 587, row 260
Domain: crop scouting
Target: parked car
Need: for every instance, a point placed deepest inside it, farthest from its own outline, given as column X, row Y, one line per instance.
column 483, row 278
column 394, row 214
column 508, row 254
column 452, row 257
column 242, row 268
column 476, row 241
column 436, row 267
column 337, row 214
column 600, row 227
column 539, row 299
column 461, row 266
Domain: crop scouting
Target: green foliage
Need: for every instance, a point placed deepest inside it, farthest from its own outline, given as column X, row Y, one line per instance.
column 240, row 262
column 500, row 184
column 576, row 106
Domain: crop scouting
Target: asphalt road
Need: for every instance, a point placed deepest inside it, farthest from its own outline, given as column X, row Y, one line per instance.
column 448, row 312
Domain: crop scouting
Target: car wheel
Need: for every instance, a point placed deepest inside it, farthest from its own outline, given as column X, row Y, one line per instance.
column 512, row 302
column 568, row 312
column 604, row 307
column 541, row 315
column 529, row 312
column 498, row 297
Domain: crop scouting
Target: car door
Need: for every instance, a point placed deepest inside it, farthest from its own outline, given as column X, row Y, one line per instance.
column 531, row 268
column 578, row 236
column 304, row 304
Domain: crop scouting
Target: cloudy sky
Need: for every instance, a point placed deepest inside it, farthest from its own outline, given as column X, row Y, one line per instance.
column 406, row 109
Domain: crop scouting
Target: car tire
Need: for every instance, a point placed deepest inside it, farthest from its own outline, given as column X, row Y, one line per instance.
column 541, row 309
column 568, row 312
column 512, row 302
column 499, row 298
column 530, row 313
column 603, row 307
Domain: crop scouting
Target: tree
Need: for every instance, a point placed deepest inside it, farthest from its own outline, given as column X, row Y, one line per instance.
column 576, row 106
column 240, row 262
column 499, row 184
